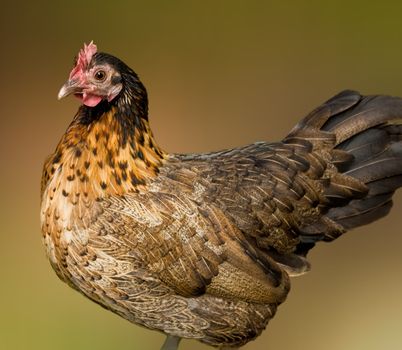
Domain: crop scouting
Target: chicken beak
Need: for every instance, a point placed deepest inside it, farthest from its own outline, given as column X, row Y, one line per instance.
column 70, row 87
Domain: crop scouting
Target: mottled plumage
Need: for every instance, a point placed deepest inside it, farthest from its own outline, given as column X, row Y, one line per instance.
column 202, row 245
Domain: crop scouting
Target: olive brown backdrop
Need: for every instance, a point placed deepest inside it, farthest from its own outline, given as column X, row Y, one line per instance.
column 219, row 74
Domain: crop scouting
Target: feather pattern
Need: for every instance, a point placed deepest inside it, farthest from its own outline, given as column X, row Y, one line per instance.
column 202, row 245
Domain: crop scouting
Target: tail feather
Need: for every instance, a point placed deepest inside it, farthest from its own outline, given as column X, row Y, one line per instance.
column 385, row 164
column 369, row 112
column 366, row 147
column 379, row 165
column 389, row 184
column 362, row 212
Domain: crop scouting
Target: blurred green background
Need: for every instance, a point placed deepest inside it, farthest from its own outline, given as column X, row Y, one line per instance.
column 219, row 74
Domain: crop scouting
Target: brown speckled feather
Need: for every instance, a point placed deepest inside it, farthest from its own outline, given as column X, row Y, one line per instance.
column 202, row 246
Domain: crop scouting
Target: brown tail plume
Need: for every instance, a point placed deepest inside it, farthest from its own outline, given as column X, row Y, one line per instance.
column 367, row 132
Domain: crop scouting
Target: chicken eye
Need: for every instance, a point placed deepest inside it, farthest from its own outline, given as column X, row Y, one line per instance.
column 100, row 75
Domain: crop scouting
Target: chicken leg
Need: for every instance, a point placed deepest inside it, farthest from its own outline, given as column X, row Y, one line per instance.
column 171, row 343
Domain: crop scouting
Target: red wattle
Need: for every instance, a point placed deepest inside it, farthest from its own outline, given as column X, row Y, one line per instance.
column 90, row 100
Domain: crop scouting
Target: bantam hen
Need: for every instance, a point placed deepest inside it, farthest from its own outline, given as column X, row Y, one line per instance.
column 202, row 245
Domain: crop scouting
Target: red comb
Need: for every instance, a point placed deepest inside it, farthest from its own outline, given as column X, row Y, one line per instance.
column 84, row 58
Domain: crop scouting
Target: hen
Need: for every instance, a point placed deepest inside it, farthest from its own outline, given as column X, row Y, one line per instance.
column 202, row 245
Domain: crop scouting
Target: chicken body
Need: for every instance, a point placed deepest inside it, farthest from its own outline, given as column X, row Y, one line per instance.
column 202, row 246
